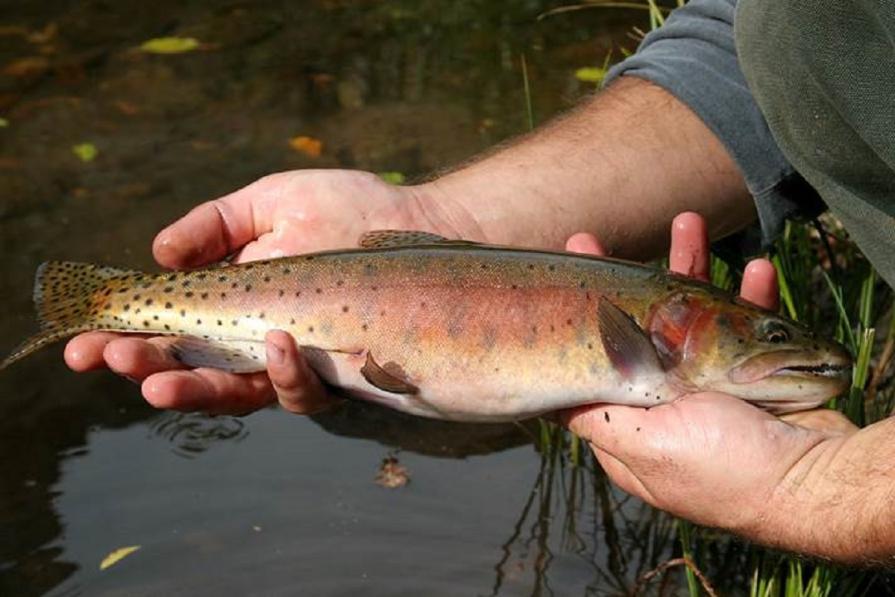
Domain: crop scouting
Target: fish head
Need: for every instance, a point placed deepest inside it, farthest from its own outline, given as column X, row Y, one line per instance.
column 710, row 342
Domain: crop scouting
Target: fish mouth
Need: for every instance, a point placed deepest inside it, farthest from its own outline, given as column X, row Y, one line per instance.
column 792, row 364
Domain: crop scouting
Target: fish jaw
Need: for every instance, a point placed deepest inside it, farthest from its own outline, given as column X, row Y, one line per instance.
column 789, row 380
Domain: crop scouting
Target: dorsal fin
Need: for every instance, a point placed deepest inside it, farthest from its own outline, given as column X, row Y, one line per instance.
column 380, row 239
column 625, row 343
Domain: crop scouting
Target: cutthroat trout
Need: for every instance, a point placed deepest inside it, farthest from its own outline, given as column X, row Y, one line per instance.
column 457, row 330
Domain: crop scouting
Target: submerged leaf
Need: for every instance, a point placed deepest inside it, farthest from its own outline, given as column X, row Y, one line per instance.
column 392, row 177
column 3, row 123
column 307, row 145
column 86, row 152
column 391, row 474
column 170, row 45
column 117, row 555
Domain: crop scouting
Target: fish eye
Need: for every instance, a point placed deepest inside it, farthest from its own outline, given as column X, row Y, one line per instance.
column 773, row 332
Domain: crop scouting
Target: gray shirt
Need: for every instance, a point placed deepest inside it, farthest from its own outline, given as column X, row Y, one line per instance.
column 693, row 56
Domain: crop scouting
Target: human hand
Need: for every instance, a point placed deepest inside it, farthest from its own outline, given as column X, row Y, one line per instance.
column 278, row 215
column 708, row 457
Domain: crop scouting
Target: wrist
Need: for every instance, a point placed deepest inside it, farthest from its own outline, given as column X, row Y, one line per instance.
column 433, row 207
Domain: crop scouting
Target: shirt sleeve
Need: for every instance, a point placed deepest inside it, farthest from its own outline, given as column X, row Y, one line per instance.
column 694, row 58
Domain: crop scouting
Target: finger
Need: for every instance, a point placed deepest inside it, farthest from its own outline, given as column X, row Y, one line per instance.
column 298, row 388
column 689, row 253
column 220, row 227
column 84, row 352
column 137, row 358
column 822, row 419
column 585, row 242
column 760, row 284
column 209, row 390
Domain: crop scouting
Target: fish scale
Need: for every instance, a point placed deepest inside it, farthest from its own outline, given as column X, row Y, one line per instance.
column 454, row 330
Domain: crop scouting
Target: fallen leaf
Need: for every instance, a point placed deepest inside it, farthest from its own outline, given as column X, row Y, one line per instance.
column 591, row 74
column 392, row 177
column 126, row 108
column 3, row 123
column 117, row 555
column 307, row 145
column 30, row 66
column 391, row 474
column 86, row 152
column 170, row 45
column 44, row 35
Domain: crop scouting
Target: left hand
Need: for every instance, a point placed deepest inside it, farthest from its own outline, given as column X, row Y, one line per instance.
column 708, row 457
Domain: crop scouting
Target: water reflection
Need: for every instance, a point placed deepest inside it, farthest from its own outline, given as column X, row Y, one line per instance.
column 87, row 466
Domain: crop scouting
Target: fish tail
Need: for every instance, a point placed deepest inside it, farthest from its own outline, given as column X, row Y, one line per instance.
column 66, row 300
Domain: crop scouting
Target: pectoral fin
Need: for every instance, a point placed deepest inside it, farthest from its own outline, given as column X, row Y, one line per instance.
column 388, row 378
column 625, row 343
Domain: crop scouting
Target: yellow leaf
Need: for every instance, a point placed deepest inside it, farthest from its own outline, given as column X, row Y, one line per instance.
column 591, row 74
column 86, row 152
column 117, row 555
column 3, row 123
column 392, row 177
column 170, row 45
column 307, row 145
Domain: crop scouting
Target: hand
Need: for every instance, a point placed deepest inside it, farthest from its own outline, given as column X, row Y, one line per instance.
column 708, row 457
column 281, row 214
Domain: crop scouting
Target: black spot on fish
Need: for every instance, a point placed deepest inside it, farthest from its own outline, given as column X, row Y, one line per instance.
column 145, row 324
column 155, row 317
column 234, row 322
column 167, row 327
column 220, row 322
column 515, row 287
column 267, row 278
column 107, row 306
column 568, row 322
column 606, row 415
column 148, row 302
column 136, row 297
column 127, row 307
column 261, row 315
column 234, row 285
column 551, row 267
column 344, row 308
column 340, row 282
column 286, row 271
column 222, row 278
column 638, row 429
column 202, row 276
column 185, row 283
column 311, row 329
column 204, row 295
column 248, row 287
column 183, row 312
column 590, row 346
column 188, row 294
column 223, row 295
column 364, row 327
column 297, row 293
column 531, row 266
column 168, row 305
column 198, row 322
column 168, row 289
column 281, row 293
column 292, row 321
column 319, row 290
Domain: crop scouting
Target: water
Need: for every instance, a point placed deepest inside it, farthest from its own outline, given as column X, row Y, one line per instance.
column 275, row 504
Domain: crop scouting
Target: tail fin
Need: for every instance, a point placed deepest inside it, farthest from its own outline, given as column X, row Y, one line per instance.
column 64, row 299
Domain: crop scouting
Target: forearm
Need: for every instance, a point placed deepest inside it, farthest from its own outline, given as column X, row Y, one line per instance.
column 838, row 500
column 621, row 165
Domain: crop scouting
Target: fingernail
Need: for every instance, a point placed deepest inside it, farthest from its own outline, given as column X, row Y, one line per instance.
column 275, row 354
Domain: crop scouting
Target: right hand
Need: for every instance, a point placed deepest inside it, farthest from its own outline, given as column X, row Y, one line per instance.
column 281, row 214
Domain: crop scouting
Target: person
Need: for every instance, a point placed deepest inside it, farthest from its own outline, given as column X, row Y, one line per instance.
column 729, row 111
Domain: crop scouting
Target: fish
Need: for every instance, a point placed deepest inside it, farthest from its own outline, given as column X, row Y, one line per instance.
column 457, row 330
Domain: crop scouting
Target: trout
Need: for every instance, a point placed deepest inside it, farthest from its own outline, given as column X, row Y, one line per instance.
column 459, row 330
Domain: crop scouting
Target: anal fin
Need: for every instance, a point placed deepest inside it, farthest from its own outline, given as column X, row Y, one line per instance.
column 236, row 356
